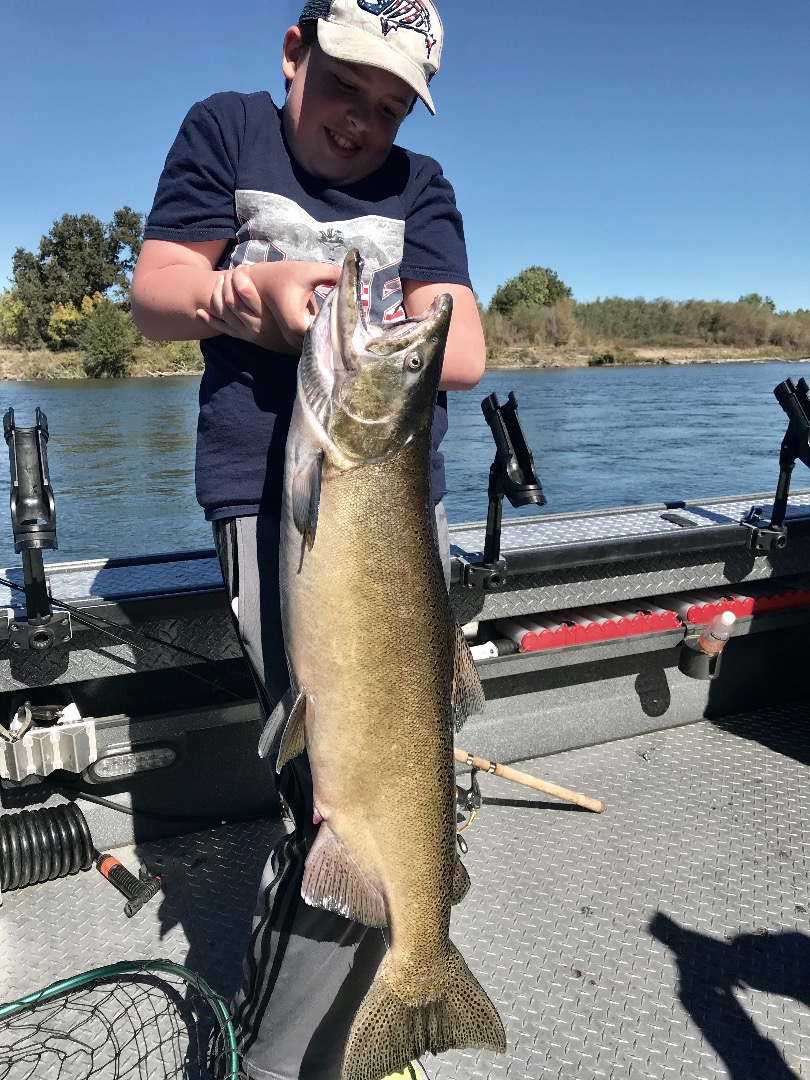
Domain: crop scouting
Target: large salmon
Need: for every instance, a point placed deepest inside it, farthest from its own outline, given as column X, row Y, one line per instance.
column 380, row 672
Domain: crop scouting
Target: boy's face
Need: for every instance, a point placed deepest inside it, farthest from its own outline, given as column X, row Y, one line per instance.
column 340, row 119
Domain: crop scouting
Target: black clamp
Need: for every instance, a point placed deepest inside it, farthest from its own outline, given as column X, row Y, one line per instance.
column 486, row 578
column 764, row 536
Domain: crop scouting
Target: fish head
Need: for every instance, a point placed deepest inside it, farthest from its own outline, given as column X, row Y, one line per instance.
column 370, row 392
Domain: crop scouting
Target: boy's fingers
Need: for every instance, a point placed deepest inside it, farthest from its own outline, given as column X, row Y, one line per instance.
column 211, row 320
column 227, row 291
column 247, row 292
column 333, row 277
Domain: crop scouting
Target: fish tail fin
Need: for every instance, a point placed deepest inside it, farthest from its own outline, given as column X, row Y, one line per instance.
column 392, row 1028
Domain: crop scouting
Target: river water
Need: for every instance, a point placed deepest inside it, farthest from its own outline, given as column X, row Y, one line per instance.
column 121, row 452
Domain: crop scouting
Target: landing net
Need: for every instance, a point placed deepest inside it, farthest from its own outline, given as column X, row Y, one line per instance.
column 128, row 1021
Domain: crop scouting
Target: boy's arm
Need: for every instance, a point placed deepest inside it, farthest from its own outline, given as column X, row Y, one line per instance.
column 171, row 282
column 177, row 295
column 465, row 354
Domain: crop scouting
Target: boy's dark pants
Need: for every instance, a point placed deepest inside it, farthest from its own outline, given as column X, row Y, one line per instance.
column 306, row 970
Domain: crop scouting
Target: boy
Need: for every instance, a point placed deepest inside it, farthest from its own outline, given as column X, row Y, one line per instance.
column 254, row 212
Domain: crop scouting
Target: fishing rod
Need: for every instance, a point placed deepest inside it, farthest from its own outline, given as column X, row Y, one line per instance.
column 494, row 768
column 97, row 622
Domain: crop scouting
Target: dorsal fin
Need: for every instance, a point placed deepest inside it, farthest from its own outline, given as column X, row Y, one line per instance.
column 468, row 693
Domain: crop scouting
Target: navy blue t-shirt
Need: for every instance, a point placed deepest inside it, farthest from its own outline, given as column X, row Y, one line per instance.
column 229, row 175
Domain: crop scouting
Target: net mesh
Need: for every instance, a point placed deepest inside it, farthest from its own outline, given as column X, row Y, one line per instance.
column 135, row 1025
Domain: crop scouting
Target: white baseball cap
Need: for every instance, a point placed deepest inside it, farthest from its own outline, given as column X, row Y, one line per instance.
column 400, row 36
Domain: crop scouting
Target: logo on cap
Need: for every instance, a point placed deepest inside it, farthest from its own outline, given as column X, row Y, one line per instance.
column 401, row 15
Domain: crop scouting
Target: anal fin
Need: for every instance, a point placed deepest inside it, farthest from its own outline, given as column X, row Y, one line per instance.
column 334, row 881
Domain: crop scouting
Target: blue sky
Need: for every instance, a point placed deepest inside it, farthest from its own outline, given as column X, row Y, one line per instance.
column 645, row 148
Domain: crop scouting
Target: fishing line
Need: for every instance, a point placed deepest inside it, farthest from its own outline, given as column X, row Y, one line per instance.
column 96, row 622
column 72, row 794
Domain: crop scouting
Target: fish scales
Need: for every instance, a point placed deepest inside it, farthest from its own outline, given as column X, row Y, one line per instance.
column 379, row 670
column 386, row 690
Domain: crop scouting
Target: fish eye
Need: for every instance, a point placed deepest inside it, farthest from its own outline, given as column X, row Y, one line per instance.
column 414, row 362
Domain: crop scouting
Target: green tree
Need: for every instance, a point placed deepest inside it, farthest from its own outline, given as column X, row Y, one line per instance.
column 80, row 256
column 108, row 341
column 14, row 325
column 755, row 300
column 536, row 286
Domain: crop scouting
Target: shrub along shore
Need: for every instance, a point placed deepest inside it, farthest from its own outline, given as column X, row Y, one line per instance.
column 67, row 315
column 183, row 358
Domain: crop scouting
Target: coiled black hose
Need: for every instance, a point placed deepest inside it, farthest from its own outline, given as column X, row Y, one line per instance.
column 40, row 845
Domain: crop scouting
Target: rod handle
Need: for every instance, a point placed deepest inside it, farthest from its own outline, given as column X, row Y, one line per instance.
column 517, row 777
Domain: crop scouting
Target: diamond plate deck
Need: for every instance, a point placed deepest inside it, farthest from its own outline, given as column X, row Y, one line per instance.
column 167, row 586
column 556, row 530
column 632, row 576
column 668, row 937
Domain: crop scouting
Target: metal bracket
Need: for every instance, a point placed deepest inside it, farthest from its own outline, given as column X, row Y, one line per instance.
column 39, row 751
column 39, row 635
column 483, row 576
column 764, row 537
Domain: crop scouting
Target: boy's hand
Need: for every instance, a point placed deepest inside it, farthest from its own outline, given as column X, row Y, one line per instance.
column 288, row 290
column 235, row 307
column 258, row 302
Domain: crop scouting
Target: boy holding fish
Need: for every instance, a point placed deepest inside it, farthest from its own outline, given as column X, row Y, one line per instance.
column 255, row 210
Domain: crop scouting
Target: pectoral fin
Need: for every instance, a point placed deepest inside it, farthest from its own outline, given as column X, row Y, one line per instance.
column 334, row 881
column 468, row 693
column 277, row 718
column 293, row 741
column 306, row 495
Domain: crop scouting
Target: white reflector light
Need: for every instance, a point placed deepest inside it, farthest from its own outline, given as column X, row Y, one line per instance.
column 127, row 763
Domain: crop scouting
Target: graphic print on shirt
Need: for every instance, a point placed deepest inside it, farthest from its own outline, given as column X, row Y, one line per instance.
column 401, row 15
column 273, row 229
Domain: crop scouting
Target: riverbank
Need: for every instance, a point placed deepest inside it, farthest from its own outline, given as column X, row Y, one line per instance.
column 183, row 358
column 167, row 358
column 548, row 356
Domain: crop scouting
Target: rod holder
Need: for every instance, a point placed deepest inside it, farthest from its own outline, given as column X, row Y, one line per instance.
column 511, row 474
column 33, row 522
column 795, row 401
column 33, row 511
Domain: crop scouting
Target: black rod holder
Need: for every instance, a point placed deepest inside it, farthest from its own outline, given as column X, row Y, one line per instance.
column 33, row 512
column 33, row 521
column 795, row 401
column 511, row 474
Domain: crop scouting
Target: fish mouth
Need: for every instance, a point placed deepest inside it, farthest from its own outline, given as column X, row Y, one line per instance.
column 356, row 342
column 350, row 332
column 367, row 390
